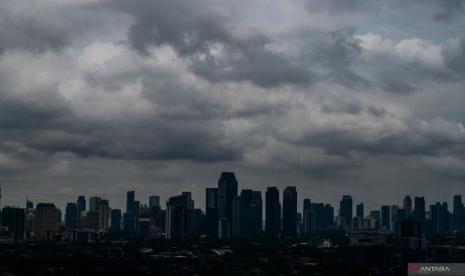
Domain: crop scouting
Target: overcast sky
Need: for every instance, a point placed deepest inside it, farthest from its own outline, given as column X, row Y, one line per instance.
column 360, row 97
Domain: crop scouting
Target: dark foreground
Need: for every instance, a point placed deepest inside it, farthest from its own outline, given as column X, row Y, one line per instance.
column 248, row 258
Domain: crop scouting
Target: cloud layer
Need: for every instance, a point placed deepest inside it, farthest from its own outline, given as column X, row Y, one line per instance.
column 361, row 97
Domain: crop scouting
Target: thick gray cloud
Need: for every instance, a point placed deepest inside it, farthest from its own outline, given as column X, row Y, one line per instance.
column 101, row 96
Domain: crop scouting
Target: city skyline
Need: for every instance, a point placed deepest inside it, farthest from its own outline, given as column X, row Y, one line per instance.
column 358, row 97
column 357, row 206
column 232, row 214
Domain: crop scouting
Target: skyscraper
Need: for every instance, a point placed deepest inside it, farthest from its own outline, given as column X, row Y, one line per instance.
column 45, row 219
column 71, row 215
column 360, row 211
column 29, row 205
column 419, row 211
column 94, row 203
column 115, row 220
column 459, row 214
column 154, row 201
column 272, row 213
column 345, row 212
column 81, row 205
column 14, row 219
column 308, row 218
column 178, row 217
column 290, row 212
column 386, row 217
column 130, row 201
column 227, row 191
column 211, row 212
column 104, row 214
column 407, row 205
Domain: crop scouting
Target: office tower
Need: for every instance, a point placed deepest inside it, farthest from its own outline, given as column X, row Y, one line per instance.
column 360, row 210
column 238, row 219
column 375, row 219
column 227, row 191
column 71, row 216
column 394, row 217
column 14, row 219
column 144, row 228
column 29, row 204
column 247, row 215
column 290, row 212
column 104, row 214
column 94, row 203
column 224, row 228
column 385, row 217
column 59, row 217
column 459, row 214
column 115, row 220
column 129, row 223
column 308, row 218
column 178, row 217
column 130, row 201
column 407, row 205
column 345, row 212
column 272, row 213
column 438, row 222
column 81, row 205
column 419, row 212
column 211, row 213
column 328, row 214
column 255, row 209
column 154, row 201
column 45, row 220
column 197, row 223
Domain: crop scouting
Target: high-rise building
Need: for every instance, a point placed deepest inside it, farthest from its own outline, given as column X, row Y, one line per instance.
column 178, row 217
column 130, row 201
column 328, row 214
column 394, row 217
column 71, row 215
column 29, row 204
column 407, row 206
column 45, row 220
column 375, row 219
column 345, row 212
column 459, row 214
column 359, row 210
column 211, row 213
column 94, row 203
column 386, row 217
column 439, row 218
column 419, row 211
column 14, row 219
column 115, row 220
column 308, row 218
column 227, row 191
column 129, row 223
column 154, row 201
column 238, row 218
column 104, row 214
column 81, row 205
column 290, row 212
column 272, row 213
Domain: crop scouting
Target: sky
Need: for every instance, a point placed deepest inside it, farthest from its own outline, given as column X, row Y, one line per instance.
column 360, row 97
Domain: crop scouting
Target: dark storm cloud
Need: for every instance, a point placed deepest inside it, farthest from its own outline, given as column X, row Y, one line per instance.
column 454, row 56
column 196, row 28
column 23, row 29
column 449, row 10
